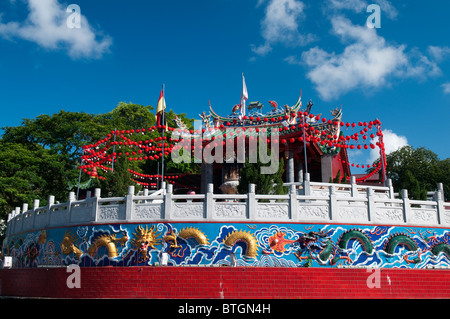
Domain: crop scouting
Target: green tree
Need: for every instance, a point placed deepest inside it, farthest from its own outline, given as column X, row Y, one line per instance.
column 418, row 170
column 63, row 133
column 444, row 167
column 27, row 174
column 264, row 183
column 116, row 185
column 55, row 142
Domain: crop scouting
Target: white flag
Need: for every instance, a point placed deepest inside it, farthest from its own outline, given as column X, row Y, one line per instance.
column 244, row 96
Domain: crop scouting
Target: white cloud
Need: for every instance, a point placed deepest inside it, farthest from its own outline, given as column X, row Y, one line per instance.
column 358, row 6
column 392, row 142
column 281, row 25
column 438, row 53
column 46, row 26
column 368, row 62
column 446, row 87
column 355, row 5
column 365, row 63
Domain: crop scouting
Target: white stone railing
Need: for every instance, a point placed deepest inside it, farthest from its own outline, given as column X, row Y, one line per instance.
column 305, row 202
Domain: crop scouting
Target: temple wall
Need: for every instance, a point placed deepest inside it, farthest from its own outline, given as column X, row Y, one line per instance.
column 227, row 283
column 247, row 244
column 316, row 224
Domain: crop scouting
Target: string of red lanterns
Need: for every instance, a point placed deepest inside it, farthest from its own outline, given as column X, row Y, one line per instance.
column 151, row 148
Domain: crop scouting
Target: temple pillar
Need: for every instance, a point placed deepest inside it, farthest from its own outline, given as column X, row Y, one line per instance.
column 326, row 162
column 300, row 173
column 290, row 167
column 206, row 176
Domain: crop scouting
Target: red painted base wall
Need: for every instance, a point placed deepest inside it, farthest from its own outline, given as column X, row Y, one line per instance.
column 225, row 282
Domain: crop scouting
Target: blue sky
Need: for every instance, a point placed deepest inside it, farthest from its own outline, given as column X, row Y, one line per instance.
column 125, row 51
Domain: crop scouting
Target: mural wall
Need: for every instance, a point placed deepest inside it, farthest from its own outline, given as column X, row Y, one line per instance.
column 261, row 245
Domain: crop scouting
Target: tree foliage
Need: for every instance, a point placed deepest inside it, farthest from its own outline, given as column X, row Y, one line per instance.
column 27, row 174
column 117, row 184
column 41, row 156
column 264, row 183
column 418, row 170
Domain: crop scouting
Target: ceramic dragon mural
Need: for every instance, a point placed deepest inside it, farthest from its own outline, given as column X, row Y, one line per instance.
column 262, row 244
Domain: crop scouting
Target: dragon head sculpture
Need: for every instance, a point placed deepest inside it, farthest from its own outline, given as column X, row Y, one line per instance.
column 145, row 238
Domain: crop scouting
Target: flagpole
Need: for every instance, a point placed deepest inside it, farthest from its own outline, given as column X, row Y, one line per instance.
column 304, row 145
column 243, row 132
column 114, row 150
column 79, row 178
column 162, row 157
column 243, row 113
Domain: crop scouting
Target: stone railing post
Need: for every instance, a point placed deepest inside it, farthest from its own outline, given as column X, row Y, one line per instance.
column 35, row 206
column 51, row 202
column 94, row 200
column 69, row 205
column 391, row 188
column 307, row 185
column 13, row 221
column 441, row 190
column 9, row 225
column 209, row 202
column 18, row 213
column 293, row 215
column 406, row 205
column 354, row 189
column 24, row 210
column 370, row 203
column 251, row 202
column 333, row 201
column 129, row 203
column 440, row 203
column 168, row 202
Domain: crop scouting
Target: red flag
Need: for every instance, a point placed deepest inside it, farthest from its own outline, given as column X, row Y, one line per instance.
column 244, row 96
column 160, row 109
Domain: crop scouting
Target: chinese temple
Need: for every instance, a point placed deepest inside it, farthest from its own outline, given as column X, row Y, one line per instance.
column 320, row 240
column 307, row 142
